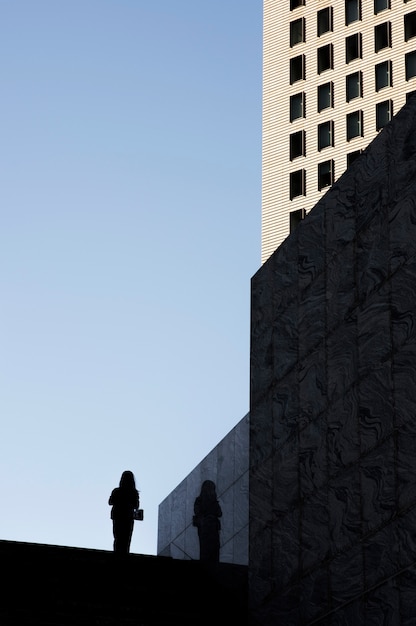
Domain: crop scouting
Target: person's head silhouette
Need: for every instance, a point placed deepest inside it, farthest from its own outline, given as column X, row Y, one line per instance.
column 127, row 480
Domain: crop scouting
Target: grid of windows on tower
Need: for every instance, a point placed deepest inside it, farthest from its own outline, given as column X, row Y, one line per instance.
column 354, row 122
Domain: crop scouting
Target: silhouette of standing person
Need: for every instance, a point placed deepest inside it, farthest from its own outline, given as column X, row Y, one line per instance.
column 123, row 499
column 207, row 512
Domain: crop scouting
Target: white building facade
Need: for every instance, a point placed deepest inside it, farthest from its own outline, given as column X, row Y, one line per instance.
column 334, row 73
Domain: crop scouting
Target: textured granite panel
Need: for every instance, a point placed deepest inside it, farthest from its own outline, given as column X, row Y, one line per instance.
column 225, row 462
column 403, row 316
column 285, row 340
column 261, row 438
column 333, row 402
column 227, row 549
column 177, row 547
column 381, row 554
column 314, row 595
column 285, row 397
column 402, row 230
column 285, row 608
column 176, row 535
column 406, row 537
column 240, row 546
column 377, row 407
column 241, row 437
column 191, row 546
column 260, row 560
column 312, row 324
column 178, row 515
column 342, row 358
column 164, row 526
column 285, row 551
column 284, row 482
column 382, row 605
column 344, row 509
column 261, row 503
column 403, row 382
column 373, row 328
column 263, row 366
column 343, row 436
column 315, row 538
column 378, row 485
column 227, row 520
column 372, row 253
column 312, row 386
column 406, row 469
column 240, row 490
column 313, row 456
column 407, row 585
column 341, row 295
column 351, row 613
column 346, row 571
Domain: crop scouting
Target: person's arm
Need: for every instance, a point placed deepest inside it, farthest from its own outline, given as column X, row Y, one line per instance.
column 112, row 497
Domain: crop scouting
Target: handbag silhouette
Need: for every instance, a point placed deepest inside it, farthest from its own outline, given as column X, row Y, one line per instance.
column 138, row 515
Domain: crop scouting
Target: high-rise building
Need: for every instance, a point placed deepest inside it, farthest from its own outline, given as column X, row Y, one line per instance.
column 334, row 73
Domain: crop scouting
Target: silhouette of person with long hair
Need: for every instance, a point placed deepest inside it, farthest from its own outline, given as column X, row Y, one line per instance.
column 124, row 499
column 207, row 512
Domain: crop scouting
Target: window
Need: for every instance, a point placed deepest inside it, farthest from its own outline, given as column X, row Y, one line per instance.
column 384, row 113
column 352, row 11
column 353, row 47
column 383, row 75
column 354, row 125
column 325, row 174
column 324, row 21
column 410, row 25
column 381, row 5
column 297, row 68
column 295, row 218
column 325, row 96
column 325, row 135
column 297, row 144
column 297, row 31
column 297, row 106
column 352, row 156
column 297, row 183
column 325, row 58
column 382, row 36
column 410, row 64
column 294, row 4
column 354, row 86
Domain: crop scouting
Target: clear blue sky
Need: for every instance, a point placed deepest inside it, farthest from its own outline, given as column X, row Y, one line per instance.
column 130, row 195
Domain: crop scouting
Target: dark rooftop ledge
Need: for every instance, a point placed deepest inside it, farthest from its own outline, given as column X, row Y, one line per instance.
column 49, row 584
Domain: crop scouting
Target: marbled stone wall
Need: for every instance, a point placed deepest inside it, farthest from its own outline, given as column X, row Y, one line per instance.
column 226, row 465
column 333, row 403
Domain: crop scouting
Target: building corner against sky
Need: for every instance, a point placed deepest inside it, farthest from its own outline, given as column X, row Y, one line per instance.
column 334, row 74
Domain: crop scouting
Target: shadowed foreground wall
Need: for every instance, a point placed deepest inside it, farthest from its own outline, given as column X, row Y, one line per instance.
column 333, row 402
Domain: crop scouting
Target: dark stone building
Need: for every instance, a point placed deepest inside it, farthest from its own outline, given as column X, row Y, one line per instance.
column 333, row 403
